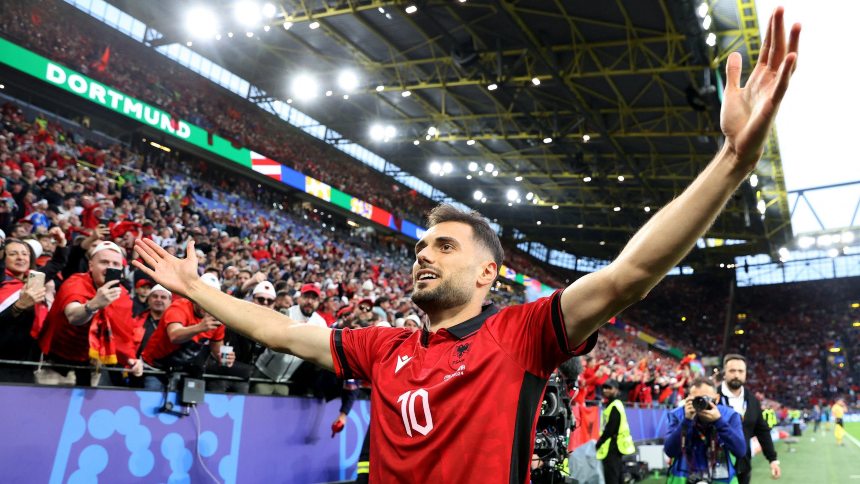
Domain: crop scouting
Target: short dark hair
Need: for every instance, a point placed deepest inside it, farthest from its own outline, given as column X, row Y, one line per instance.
column 481, row 230
column 734, row 356
column 700, row 381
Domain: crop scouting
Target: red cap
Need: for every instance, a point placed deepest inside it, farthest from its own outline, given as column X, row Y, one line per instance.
column 344, row 311
column 311, row 288
column 366, row 300
column 144, row 282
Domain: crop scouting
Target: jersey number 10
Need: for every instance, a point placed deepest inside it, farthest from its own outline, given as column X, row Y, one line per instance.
column 409, row 420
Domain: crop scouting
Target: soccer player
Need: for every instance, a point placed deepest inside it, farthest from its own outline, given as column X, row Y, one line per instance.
column 458, row 401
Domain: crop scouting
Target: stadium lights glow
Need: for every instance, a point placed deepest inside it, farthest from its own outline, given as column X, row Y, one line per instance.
column 473, row 166
column 266, row 28
column 217, row 36
column 269, row 10
column 447, row 167
column 647, row 209
column 470, row 142
column 739, row 332
column 855, row 305
column 586, row 138
column 288, row 25
column 304, row 86
column 249, row 34
column 2, row 86
column 189, row 44
column 346, row 97
column 201, row 22
column 761, row 206
column 856, row 324
column 468, row 177
column 230, row 34
column 555, row 207
column 492, row 87
column 416, row 142
column 478, row 195
column 547, row 140
column 495, row 172
column 484, row 200
column 834, row 252
column 824, row 240
column 411, row 9
column 435, row 167
column 380, row 88
column 384, row 133
column 347, row 80
column 586, row 179
column 702, row 10
column 329, row 93
column 805, row 242
column 616, row 209
column 706, row 22
column 712, row 39
column 602, row 242
column 621, row 178
column 835, row 349
column 784, row 253
column 753, row 180
column 535, row 81
column 314, row 25
column 427, row 138
column 579, row 226
column 489, row 167
column 512, row 195
column 381, row 10
column 518, row 178
column 406, row 93
column 247, row 13
column 289, row 100
column 529, row 195
column 432, row 131
column 564, row 239
column 847, row 237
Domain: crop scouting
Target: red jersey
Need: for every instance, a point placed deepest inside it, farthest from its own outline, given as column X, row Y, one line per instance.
column 461, row 404
column 180, row 311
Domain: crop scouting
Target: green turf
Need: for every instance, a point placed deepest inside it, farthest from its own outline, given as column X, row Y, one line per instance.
column 853, row 428
column 821, row 461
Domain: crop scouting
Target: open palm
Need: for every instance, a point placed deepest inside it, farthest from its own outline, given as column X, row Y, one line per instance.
column 748, row 111
column 175, row 274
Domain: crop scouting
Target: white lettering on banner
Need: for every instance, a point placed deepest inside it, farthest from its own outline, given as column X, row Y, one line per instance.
column 77, row 84
column 132, row 106
column 165, row 123
column 115, row 98
column 55, row 74
column 150, row 115
column 97, row 93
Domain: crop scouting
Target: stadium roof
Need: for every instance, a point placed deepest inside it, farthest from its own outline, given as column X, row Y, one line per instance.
column 598, row 91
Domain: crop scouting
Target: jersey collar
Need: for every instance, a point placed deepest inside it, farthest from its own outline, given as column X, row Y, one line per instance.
column 466, row 328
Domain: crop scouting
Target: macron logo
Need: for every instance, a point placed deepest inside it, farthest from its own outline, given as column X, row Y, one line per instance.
column 401, row 362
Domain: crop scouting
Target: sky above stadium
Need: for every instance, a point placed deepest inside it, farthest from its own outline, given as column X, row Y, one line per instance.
column 818, row 120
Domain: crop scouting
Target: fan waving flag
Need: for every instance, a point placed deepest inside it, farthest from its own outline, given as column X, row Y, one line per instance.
column 265, row 166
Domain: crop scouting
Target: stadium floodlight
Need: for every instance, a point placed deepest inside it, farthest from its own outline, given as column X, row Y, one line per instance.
column 314, row 25
column 547, row 140
column 447, row 167
column 492, row 87
column 805, row 242
column 647, row 209
column 247, row 13
column 518, row 178
column 512, row 195
column 304, row 86
column 834, row 252
column 473, row 166
column 470, row 142
column 380, row 88
column 347, row 80
column 784, row 253
column 555, row 207
column 384, row 133
column 489, row 167
column 706, row 23
column 761, row 206
column 484, row 200
column 535, row 81
column 529, row 195
column 468, row 177
column 753, row 180
column 406, row 93
column 586, row 179
column 416, row 142
column 432, row 131
column 201, row 22
column 620, row 178
column 616, row 209
column 711, row 40
column 411, row 9
column 390, row 133
column 269, row 10
column 478, row 195
column 288, row 25
column 847, row 237
column 495, row 172
column 586, row 138
column 435, row 167
column 702, row 10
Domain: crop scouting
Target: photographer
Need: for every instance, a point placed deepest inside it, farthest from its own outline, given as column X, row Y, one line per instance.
column 615, row 441
column 704, row 438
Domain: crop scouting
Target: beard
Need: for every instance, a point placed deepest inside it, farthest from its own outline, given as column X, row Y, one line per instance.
column 447, row 294
column 307, row 310
column 734, row 383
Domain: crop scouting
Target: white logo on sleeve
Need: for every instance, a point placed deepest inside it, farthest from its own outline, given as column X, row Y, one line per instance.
column 401, row 362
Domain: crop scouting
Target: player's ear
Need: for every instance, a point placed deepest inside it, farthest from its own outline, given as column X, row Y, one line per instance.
column 489, row 271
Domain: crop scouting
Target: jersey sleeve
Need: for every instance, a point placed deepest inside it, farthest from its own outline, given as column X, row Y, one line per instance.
column 533, row 334
column 354, row 351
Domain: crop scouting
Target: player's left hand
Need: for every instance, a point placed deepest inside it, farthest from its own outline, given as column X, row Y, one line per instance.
column 775, row 471
column 748, row 112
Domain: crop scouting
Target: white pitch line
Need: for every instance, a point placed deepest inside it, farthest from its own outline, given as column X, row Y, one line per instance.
column 853, row 441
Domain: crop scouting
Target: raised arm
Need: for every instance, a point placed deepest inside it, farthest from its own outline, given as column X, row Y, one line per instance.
column 270, row 328
column 746, row 117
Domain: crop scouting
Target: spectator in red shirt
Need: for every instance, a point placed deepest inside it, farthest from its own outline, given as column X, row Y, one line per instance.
column 89, row 320
column 185, row 338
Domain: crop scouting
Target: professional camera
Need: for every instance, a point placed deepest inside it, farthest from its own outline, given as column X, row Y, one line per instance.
column 554, row 425
column 702, row 403
column 696, row 478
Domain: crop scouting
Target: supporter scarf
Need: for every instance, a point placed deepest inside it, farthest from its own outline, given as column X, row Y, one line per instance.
column 10, row 292
column 103, row 345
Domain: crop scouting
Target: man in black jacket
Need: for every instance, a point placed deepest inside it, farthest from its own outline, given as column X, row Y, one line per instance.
column 733, row 394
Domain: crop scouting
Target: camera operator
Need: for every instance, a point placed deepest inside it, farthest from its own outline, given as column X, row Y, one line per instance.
column 704, row 438
column 747, row 405
column 615, row 441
